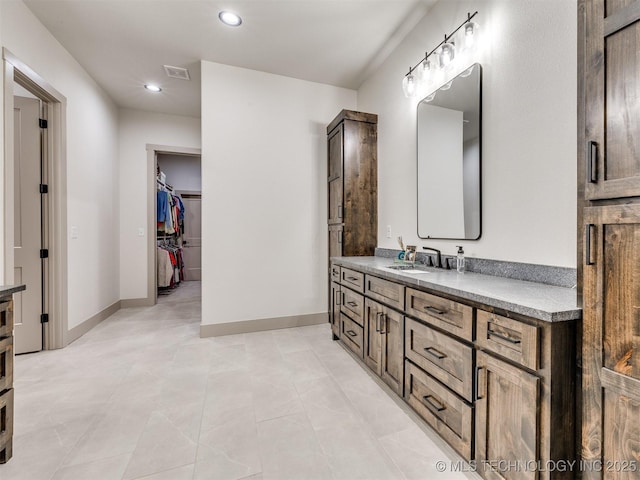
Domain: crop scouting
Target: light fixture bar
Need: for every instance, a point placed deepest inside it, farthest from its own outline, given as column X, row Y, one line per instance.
column 446, row 37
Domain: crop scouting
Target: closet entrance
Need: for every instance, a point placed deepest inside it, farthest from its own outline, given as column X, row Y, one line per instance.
column 178, row 220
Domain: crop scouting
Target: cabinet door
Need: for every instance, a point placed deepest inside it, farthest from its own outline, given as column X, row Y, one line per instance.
column 373, row 313
column 506, row 419
column 334, row 309
column 612, row 108
column 392, row 368
column 335, row 178
column 335, row 241
column 611, row 337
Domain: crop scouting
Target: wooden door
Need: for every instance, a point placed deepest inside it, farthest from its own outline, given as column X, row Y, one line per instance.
column 506, row 419
column 192, row 238
column 392, row 367
column 373, row 316
column 27, row 225
column 335, row 178
column 612, row 93
column 611, row 338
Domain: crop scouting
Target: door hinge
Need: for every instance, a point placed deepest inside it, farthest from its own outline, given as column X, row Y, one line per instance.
column 44, row 253
column 44, row 188
column 44, row 318
column 43, row 123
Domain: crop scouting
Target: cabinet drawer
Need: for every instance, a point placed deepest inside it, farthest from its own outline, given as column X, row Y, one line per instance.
column 352, row 279
column 441, row 356
column 6, row 425
column 385, row 291
column 6, row 318
column 334, row 273
column 351, row 334
column 6, row 363
column 510, row 338
column 353, row 305
column 450, row 416
column 447, row 315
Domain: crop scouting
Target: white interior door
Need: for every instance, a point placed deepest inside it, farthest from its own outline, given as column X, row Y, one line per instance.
column 27, row 233
column 192, row 241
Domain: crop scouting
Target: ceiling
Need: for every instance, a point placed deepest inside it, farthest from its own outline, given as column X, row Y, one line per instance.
column 125, row 43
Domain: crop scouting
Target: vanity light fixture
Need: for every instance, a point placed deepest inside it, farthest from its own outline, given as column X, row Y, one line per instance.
column 441, row 56
column 230, row 18
column 152, row 88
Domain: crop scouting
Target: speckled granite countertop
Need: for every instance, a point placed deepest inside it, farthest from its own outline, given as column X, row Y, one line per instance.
column 536, row 300
column 7, row 290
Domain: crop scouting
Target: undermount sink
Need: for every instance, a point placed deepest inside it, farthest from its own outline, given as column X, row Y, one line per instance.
column 407, row 269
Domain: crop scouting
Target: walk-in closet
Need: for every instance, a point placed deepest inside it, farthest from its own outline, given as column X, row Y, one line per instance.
column 178, row 220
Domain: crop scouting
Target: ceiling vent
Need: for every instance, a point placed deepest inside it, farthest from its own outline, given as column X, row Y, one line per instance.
column 177, row 72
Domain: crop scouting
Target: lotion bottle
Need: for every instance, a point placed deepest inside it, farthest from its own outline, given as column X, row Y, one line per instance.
column 460, row 260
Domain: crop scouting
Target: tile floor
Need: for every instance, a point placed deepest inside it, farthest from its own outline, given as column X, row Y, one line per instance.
column 141, row 396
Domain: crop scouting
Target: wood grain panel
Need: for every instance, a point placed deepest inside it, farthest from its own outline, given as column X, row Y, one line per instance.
column 622, row 121
column 384, row 291
column 506, row 418
column 6, row 318
column 450, row 316
column 6, row 363
column 352, row 279
column 446, row 359
column 6, row 425
column 353, row 305
column 393, row 325
column 351, row 334
column 510, row 338
column 335, row 153
column 622, row 298
column 373, row 336
column 448, row 415
column 334, row 312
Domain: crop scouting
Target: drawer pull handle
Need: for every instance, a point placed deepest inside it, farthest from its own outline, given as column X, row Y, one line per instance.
column 352, row 333
column 431, row 309
column 352, row 304
column 592, row 162
column 478, row 388
column 378, row 315
column 338, row 297
column 587, row 244
column 383, row 323
column 353, row 279
column 503, row 337
column 433, row 404
column 436, row 353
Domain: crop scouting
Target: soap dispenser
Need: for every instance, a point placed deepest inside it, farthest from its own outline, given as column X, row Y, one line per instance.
column 460, row 260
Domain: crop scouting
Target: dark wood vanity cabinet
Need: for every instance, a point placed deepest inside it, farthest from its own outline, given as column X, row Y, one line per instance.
column 383, row 346
column 497, row 386
column 609, row 235
column 352, row 184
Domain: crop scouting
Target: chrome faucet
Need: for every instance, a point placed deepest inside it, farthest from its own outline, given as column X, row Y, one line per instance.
column 438, row 263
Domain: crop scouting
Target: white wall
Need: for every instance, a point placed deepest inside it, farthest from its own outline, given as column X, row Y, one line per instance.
column 264, row 193
column 183, row 171
column 137, row 129
column 529, row 130
column 92, row 162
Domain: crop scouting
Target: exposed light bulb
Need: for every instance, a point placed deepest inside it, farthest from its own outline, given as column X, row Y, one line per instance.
column 409, row 85
column 470, row 34
column 427, row 68
column 447, row 54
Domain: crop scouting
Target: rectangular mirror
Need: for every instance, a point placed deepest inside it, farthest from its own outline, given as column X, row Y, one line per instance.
column 449, row 150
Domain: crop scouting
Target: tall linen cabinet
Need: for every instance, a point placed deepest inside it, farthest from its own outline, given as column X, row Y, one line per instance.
column 352, row 184
column 609, row 235
column 352, row 194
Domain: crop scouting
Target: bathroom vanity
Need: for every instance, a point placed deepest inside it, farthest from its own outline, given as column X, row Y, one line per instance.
column 6, row 370
column 488, row 362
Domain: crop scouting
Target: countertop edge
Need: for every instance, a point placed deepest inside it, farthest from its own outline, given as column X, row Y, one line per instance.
column 551, row 316
column 7, row 290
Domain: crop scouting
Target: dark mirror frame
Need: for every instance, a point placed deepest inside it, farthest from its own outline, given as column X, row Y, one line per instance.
column 452, row 99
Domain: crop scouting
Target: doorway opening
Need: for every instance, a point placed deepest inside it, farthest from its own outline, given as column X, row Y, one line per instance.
column 175, row 171
column 34, row 212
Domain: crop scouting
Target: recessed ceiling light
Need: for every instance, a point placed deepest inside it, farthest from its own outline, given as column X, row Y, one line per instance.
column 152, row 88
column 230, row 18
